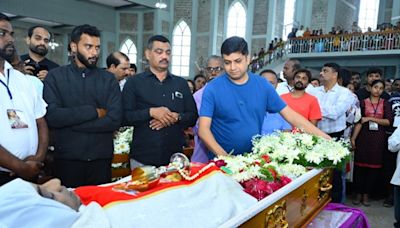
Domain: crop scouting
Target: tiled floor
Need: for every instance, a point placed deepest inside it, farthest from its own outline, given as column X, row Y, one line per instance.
column 378, row 215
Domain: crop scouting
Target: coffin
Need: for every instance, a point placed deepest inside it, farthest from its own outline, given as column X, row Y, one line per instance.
column 294, row 205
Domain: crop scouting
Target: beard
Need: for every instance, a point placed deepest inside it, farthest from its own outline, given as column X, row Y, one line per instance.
column 299, row 86
column 7, row 52
column 90, row 63
column 39, row 49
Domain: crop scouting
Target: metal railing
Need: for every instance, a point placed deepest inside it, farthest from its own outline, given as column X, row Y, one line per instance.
column 371, row 41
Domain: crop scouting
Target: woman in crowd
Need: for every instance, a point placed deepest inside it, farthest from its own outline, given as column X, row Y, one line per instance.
column 369, row 141
column 191, row 85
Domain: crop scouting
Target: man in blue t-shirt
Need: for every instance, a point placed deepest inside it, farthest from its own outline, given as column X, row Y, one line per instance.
column 234, row 104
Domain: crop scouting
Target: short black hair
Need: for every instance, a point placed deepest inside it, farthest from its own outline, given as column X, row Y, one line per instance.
column 269, row 71
column 345, row 75
column 4, row 17
column 334, row 66
column 234, row 44
column 296, row 64
column 84, row 29
column 374, row 71
column 378, row 81
column 355, row 73
column 307, row 72
column 315, row 79
column 113, row 58
column 199, row 76
column 154, row 38
column 132, row 65
column 396, row 79
column 30, row 30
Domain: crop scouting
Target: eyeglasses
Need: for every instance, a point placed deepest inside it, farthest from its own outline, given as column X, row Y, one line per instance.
column 215, row 69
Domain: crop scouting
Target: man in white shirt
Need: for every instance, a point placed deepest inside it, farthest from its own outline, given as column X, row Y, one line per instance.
column 23, row 132
column 394, row 146
column 290, row 67
column 334, row 101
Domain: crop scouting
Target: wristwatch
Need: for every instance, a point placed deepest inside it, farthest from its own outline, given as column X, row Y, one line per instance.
column 179, row 117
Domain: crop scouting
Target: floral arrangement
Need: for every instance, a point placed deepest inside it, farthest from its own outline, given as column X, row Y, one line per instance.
column 302, row 149
column 122, row 143
column 258, row 175
column 277, row 159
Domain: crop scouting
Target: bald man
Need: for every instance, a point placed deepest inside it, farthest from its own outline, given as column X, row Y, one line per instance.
column 118, row 64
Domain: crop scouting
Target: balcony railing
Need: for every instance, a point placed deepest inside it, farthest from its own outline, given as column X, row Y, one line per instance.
column 371, row 41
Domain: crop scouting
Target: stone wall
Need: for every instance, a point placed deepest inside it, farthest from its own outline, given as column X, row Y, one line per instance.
column 204, row 16
column 319, row 12
column 260, row 17
column 346, row 13
column 280, row 9
column 183, row 10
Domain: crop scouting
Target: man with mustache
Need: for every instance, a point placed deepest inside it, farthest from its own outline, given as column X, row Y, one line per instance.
column 84, row 110
column 35, row 61
column 22, row 147
column 159, row 105
column 300, row 101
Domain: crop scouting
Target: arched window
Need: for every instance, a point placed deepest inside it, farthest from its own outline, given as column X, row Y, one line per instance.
column 129, row 49
column 181, row 49
column 236, row 20
column 288, row 18
column 368, row 14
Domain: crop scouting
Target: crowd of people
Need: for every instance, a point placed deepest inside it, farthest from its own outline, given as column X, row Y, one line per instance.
column 83, row 106
column 303, row 40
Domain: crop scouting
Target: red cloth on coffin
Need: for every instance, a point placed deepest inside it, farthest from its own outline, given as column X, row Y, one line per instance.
column 104, row 195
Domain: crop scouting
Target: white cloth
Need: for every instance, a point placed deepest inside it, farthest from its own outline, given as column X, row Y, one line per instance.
column 334, row 104
column 21, row 206
column 207, row 203
column 20, row 142
column 300, row 33
column 394, row 146
column 92, row 216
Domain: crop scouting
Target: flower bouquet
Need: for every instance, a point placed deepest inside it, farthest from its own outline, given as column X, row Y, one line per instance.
column 302, row 149
column 277, row 159
column 257, row 174
column 122, row 144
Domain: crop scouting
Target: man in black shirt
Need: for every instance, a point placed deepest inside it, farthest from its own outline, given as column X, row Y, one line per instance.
column 159, row 105
column 35, row 61
column 84, row 109
column 372, row 75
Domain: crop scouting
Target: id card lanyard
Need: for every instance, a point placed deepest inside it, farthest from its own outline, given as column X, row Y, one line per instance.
column 6, row 86
column 373, row 106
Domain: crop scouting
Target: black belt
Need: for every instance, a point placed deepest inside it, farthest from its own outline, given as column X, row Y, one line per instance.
column 337, row 135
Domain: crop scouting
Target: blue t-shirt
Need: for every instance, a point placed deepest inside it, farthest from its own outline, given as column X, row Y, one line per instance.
column 237, row 111
column 274, row 122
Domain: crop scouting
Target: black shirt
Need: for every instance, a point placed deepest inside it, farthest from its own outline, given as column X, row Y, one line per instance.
column 45, row 64
column 72, row 95
column 144, row 91
column 363, row 93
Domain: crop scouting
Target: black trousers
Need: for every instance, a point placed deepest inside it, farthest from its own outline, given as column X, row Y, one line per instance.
column 337, row 182
column 365, row 179
column 5, row 177
column 74, row 173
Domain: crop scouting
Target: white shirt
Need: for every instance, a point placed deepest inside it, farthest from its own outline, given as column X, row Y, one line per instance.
column 333, row 103
column 394, row 146
column 20, row 142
